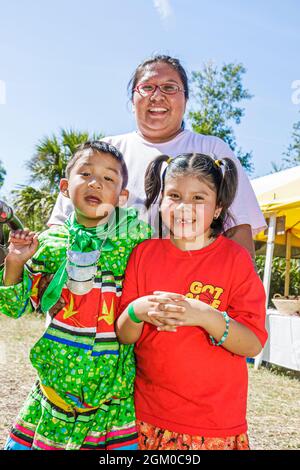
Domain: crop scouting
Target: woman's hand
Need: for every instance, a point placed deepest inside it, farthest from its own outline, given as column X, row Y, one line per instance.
column 146, row 308
column 22, row 246
column 189, row 312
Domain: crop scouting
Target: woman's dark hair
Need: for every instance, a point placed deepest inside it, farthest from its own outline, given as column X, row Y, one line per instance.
column 220, row 174
column 166, row 59
column 99, row 146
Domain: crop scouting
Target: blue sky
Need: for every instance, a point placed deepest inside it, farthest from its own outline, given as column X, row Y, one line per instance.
column 66, row 63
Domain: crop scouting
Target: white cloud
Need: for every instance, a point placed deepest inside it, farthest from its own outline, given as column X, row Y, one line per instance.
column 2, row 92
column 164, row 8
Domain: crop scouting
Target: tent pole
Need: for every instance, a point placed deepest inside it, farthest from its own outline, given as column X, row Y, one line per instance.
column 287, row 263
column 267, row 273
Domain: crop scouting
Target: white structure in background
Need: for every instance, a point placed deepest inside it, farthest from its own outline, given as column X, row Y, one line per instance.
column 279, row 196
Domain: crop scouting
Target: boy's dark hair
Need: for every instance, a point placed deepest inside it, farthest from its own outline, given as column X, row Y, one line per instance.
column 159, row 58
column 221, row 175
column 99, row 146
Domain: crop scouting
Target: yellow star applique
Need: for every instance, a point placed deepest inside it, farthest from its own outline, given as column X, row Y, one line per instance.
column 108, row 316
column 34, row 288
column 68, row 311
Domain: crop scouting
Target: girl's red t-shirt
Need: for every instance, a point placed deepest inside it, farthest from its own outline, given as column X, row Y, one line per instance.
column 184, row 383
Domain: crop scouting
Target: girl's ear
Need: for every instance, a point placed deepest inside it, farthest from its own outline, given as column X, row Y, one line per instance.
column 123, row 198
column 217, row 212
column 63, row 186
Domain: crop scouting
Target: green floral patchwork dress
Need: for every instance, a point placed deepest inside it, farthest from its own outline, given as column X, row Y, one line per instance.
column 83, row 398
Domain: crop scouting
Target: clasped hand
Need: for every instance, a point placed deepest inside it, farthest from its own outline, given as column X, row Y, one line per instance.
column 168, row 310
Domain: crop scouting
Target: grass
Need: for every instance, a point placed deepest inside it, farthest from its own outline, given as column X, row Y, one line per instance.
column 273, row 408
column 273, row 404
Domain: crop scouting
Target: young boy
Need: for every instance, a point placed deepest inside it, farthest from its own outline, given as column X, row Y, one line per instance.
column 83, row 398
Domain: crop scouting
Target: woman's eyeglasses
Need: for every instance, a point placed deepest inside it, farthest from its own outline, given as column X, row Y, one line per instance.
column 146, row 89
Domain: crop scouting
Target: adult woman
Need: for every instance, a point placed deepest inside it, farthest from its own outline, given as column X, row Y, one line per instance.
column 159, row 93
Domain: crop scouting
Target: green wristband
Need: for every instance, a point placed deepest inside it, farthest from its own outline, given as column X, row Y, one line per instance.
column 132, row 314
column 222, row 340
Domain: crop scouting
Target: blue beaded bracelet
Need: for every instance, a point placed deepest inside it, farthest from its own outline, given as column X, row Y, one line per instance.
column 226, row 318
column 132, row 315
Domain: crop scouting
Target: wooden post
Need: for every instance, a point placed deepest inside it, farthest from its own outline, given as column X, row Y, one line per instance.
column 267, row 273
column 287, row 262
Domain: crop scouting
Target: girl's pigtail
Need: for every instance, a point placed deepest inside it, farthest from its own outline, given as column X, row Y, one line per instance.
column 153, row 180
column 229, row 183
column 227, row 190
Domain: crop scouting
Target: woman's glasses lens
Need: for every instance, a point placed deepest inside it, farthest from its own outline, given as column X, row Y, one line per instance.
column 149, row 89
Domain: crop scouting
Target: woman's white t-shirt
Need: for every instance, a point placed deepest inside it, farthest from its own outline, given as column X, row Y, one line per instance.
column 138, row 153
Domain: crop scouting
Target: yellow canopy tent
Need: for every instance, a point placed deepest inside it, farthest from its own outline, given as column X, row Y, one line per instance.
column 278, row 195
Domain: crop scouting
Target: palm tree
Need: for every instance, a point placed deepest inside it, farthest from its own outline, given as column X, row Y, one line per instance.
column 34, row 204
column 52, row 156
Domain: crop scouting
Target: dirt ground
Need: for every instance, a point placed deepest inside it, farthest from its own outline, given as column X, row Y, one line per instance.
column 273, row 405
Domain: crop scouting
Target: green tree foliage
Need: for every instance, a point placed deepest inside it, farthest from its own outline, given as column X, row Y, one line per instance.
column 52, row 155
column 276, row 167
column 217, row 96
column 34, row 206
column 292, row 155
column 2, row 174
column 278, row 275
column 34, row 203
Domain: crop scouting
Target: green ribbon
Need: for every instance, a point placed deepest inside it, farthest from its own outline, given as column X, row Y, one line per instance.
column 83, row 239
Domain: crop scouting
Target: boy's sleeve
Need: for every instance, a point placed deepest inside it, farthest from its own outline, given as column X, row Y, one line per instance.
column 247, row 300
column 18, row 299
column 15, row 300
column 139, row 231
column 130, row 290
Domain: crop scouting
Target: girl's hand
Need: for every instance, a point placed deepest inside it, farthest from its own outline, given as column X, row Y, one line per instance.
column 144, row 306
column 191, row 313
column 22, row 246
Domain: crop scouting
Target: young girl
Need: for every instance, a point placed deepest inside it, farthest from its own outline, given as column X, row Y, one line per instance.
column 83, row 398
column 195, row 308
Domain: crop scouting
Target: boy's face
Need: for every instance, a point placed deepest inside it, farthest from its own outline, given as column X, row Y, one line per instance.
column 94, row 187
